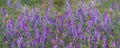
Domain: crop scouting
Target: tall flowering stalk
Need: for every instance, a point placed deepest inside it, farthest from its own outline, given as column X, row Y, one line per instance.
column 96, row 38
column 106, row 18
column 4, row 12
column 19, row 22
column 36, row 21
column 105, row 44
column 69, row 9
column 11, row 24
column 17, row 6
column 80, row 12
column 20, row 42
column 47, row 16
column 10, row 4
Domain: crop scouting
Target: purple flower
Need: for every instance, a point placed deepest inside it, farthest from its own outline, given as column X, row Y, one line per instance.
column 50, row 2
column 83, row 3
column 22, row 24
column 80, row 27
column 76, row 33
column 69, row 45
column 62, row 21
column 90, row 23
column 56, row 46
column 96, row 37
column 20, row 42
column 19, row 21
column 113, row 6
column 33, row 9
column 105, row 44
column 71, row 28
column 118, row 7
column 29, row 35
column 80, row 13
column 37, row 35
column 95, row 18
column 96, row 15
column 25, row 10
column 47, row 17
column 106, row 18
column 69, row 9
column 68, row 4
column 10, row 4
column 47, row 11
column 33, row 43
column 4, row 12
column 36, row 21
column 92, row 3
column 18, row 6
column 11, row 24
column 27, row 44
column 61, row 42
column 113, row 44
column 7, row 26
column 12, row 44
column 25, row 27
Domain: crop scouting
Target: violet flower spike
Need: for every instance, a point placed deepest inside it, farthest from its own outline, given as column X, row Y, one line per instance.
column 90, row 23
column 93, row 3
column 83, row 4
column 55, row 43
column 62, row 21
column 33, row 43
column 80, row 13
column 20, row 20
column 47, row 15
column 106, row 19
column 50, row 2
column 113, row 6
column 37, row 33
column 7, row 26
column 33, row 9
column 96, row 36
column 56, row 46
column 105, row 44
column 80, row 27
column 19, row 41
column 4, row 12
column 12, row 44
column 18, row 6
column 69, row 8
column 113, row 44
column 11, row 24
column 9, row 3
column 69, row 45
column 25, row 27
column 36, row 21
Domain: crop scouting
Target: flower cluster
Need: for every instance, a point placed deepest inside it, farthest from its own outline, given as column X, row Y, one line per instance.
column 79, row 25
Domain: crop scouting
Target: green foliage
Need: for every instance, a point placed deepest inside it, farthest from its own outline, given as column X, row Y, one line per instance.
column 48, row 45
column 30, row 2
column 3, row 3
column 59, row 4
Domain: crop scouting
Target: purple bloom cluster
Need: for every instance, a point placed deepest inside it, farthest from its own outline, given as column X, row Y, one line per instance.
column 85, row 27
